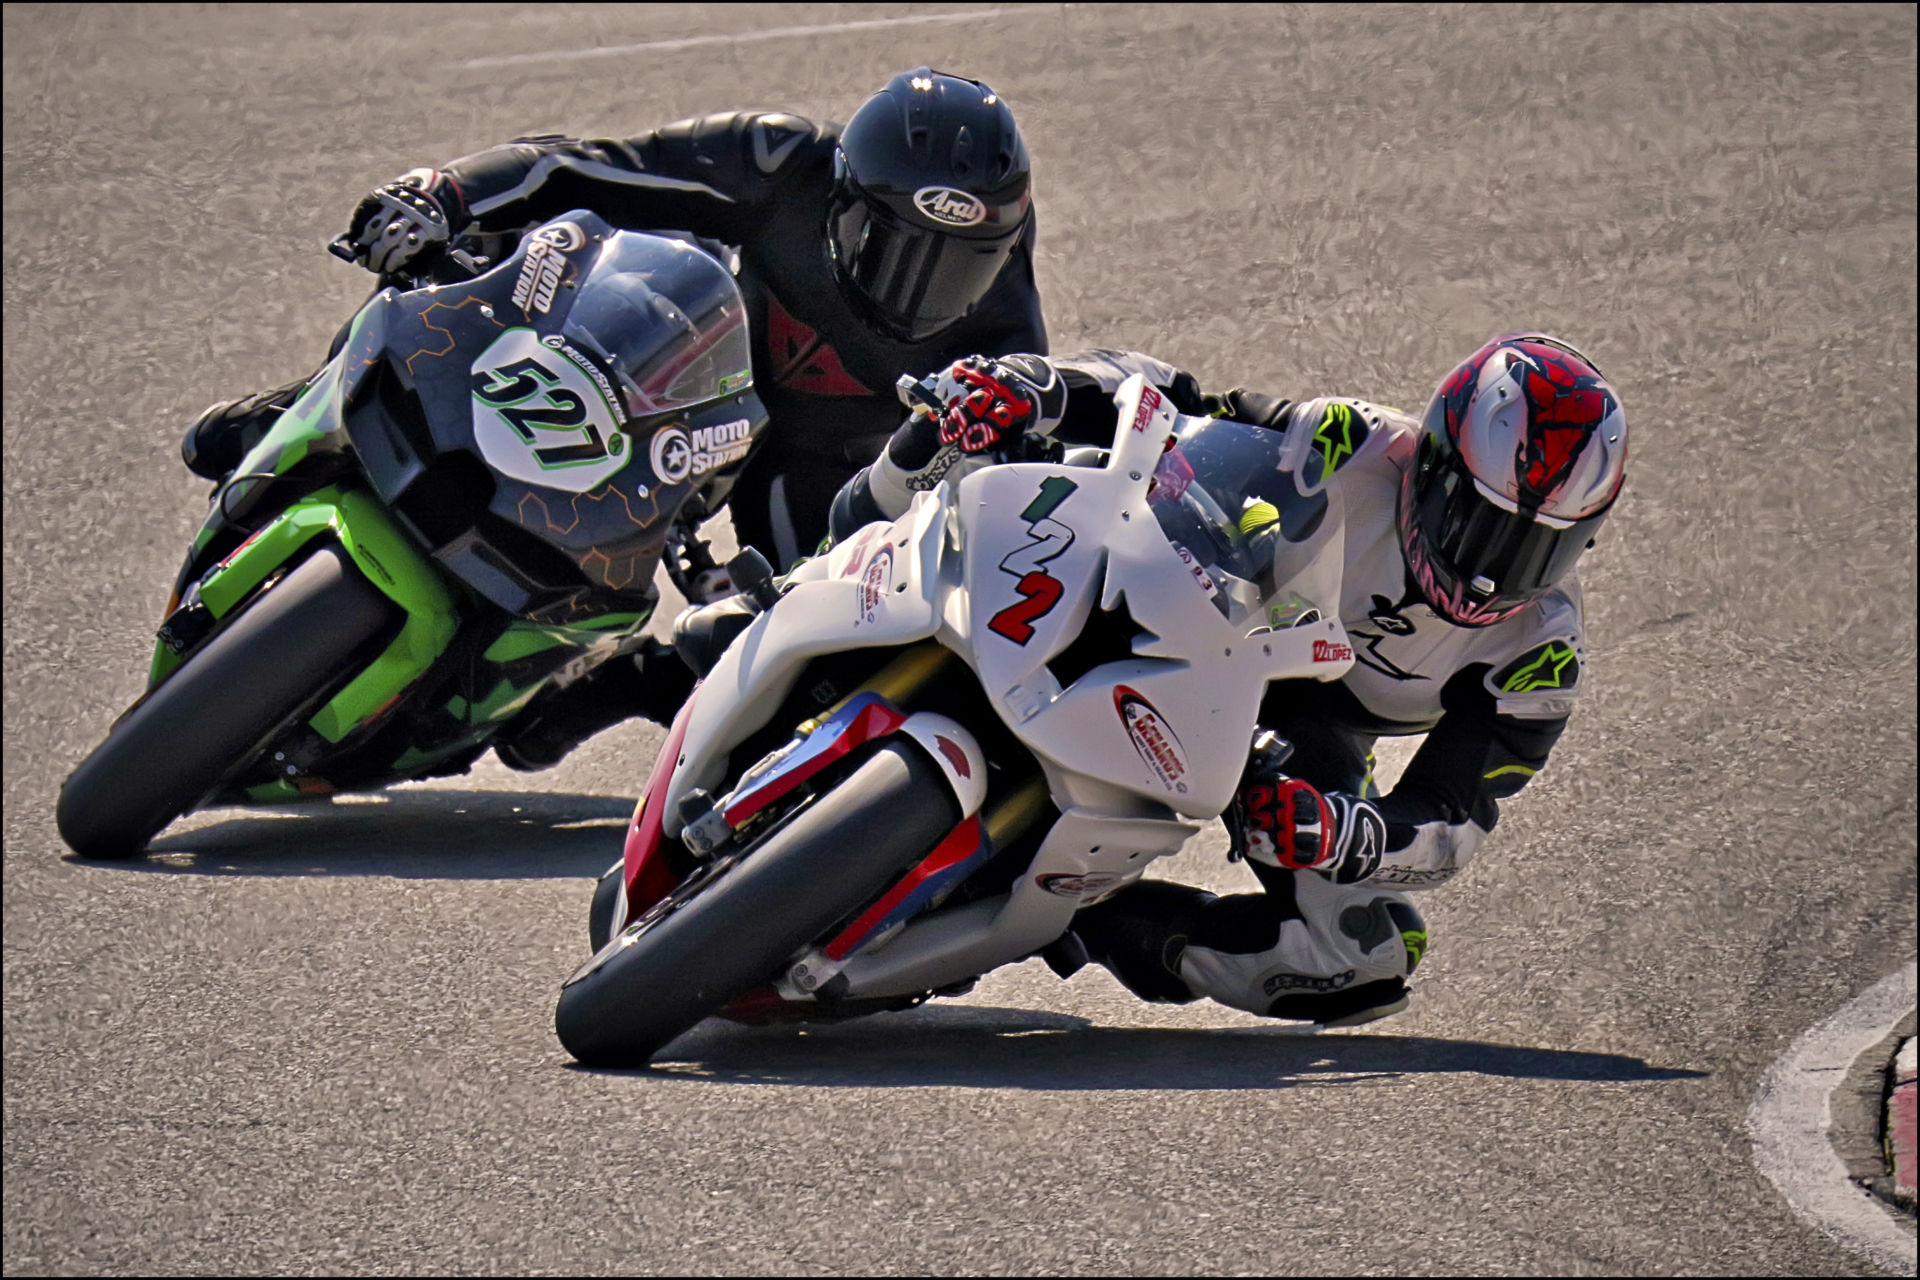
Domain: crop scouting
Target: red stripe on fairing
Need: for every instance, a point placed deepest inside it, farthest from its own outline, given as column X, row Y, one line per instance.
column 875, row 720
column 961, row 843
column 648, row 879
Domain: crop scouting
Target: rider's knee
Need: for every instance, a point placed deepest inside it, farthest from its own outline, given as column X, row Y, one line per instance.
column 1344, row 959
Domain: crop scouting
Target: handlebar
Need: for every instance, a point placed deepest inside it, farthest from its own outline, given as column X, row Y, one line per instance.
column 342, row 247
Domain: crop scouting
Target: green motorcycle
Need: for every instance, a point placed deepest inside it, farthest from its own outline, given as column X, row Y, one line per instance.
column 461, row 514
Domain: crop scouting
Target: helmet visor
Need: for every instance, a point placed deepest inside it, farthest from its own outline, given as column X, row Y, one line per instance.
column 1489, row 558
column 920, row 281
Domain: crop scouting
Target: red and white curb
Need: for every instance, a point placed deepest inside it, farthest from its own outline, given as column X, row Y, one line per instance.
column 1792, row 1113
column 1901, row 1153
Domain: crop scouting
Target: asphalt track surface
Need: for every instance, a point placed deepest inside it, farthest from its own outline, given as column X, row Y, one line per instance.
column 320, row 1040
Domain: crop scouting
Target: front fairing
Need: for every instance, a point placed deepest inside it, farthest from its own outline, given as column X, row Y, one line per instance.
column 1047, row 546
column 511, row 450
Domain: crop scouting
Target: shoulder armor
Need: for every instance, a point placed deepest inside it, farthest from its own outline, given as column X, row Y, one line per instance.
column 757, row 146
column 1542, row 679
column 1325, row 434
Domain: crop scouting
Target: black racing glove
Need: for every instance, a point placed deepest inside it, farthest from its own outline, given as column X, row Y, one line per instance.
column 406, row 222
column 988, row 403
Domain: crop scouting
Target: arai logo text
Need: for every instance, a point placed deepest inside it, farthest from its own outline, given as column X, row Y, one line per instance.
column 955, row 208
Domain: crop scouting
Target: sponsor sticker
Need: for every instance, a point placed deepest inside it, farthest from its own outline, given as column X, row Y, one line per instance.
column 677, row 453
column 1153, row 738
column 544, row 266
column 580, row 358
column 1329, row 651
column 1076, row 886
column 875, row 582
column 952, row 207
column 1306, row 982
column 1197, row 571
column 1149, row 402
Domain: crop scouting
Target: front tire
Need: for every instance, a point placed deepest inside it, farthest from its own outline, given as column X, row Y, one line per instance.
column 834, row 856
column 175, row 746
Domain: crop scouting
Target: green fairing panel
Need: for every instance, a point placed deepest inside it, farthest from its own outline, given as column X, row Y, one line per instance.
column 390, row 560
column 524, row 639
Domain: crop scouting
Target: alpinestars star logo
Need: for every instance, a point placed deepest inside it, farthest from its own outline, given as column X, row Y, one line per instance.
column 1386, row 615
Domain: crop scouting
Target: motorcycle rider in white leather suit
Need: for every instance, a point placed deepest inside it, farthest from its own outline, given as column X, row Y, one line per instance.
column 1461, row 532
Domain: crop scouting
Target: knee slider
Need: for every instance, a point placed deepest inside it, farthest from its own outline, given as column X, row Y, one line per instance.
column 1381, row 921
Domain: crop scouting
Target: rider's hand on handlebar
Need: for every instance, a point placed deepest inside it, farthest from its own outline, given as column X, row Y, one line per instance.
column 989, row 403
column 405, row 222
column 1284, row 822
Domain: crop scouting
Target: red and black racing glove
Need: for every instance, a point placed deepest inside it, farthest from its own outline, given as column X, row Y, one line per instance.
column 1284, row 822
column 988, row 403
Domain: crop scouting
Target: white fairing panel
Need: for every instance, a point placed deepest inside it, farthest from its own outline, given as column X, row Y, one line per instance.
column 1174, row 725
column 876, row 588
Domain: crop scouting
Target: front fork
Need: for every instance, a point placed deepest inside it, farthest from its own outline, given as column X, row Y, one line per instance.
column 868, row 713
column 383, row 552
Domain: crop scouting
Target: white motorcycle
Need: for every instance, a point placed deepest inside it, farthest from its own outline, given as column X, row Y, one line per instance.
column 1008, row 703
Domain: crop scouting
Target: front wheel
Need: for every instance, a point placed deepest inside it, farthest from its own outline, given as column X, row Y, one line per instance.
column 287, row 647
column 666, row 974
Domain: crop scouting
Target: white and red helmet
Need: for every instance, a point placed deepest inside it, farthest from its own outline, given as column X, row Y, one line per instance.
column 1522, row 453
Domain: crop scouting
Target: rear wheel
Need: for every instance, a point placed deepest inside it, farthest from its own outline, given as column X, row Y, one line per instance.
column 830, row 859
column 272, row 662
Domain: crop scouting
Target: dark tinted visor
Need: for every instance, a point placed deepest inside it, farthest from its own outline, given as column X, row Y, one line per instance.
column 919, row 280
column 1475, row 539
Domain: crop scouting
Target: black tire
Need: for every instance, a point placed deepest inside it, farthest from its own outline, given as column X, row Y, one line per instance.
column 606, row 890
column 288, row 646
column 832, row 858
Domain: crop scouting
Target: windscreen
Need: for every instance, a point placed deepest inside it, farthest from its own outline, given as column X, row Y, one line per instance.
column 1222, row 500
column 667, row 319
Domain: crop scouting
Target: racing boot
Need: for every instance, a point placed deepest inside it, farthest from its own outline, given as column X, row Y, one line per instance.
column 652, row 683
column 224, row 432
column 1140, row 935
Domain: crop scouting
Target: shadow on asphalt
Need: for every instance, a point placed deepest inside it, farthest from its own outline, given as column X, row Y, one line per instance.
column 428, row 835
column 987, row 1048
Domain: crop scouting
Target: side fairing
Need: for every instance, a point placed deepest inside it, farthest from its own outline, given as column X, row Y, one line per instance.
column 1047, row 545
column 878, row 588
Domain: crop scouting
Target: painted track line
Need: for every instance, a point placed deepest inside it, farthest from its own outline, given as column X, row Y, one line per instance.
column 743, row 37
column 1790, row 1117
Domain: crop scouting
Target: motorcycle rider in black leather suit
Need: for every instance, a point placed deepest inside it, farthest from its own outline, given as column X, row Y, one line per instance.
column 895, row 244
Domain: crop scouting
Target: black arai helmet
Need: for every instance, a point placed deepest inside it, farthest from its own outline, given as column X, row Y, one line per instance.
column 930, row 196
